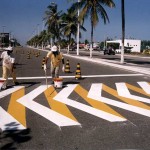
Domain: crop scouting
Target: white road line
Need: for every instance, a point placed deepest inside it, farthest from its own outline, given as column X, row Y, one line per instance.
column 7, row 122
column 94, row 93
column 84, row 76
column 9, row 91
column 62, row 97
column 45, row 112
column 145, row 86
column 124, row 92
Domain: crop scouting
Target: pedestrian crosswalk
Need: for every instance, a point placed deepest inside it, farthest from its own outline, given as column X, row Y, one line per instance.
column 95, row 103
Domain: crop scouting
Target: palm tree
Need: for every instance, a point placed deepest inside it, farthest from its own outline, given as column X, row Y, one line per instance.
column 53, row 21
column 69, row 25
column 94, row 9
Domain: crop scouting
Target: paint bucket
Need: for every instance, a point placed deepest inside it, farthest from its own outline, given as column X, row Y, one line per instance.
column 2, row 82
column 58, row 82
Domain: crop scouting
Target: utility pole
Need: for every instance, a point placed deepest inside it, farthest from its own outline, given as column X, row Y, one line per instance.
column 78, row 31
column 123, row 31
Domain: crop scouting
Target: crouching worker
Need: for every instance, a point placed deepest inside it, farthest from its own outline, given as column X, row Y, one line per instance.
column 55, row 61
column 8, row 66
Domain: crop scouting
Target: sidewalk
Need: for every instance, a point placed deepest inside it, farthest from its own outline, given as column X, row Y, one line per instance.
column 112, row 63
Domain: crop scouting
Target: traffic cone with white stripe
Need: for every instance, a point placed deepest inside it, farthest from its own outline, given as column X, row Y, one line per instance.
column 78, row 72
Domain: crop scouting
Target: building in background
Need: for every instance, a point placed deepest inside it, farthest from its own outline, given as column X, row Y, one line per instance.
column 129, row 44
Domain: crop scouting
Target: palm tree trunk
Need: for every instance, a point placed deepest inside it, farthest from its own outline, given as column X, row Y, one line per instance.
column 91, row 47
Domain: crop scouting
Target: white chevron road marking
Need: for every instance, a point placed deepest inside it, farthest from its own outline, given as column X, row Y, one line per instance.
column 7, row 122
column 9, row 91
column 45, row 112
column 94, row 93
column 145, row 86
column 124, row 92
column 62, row 96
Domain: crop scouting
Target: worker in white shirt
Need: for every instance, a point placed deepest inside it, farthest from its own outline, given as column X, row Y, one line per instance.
column 56, row 58
column 8, row 66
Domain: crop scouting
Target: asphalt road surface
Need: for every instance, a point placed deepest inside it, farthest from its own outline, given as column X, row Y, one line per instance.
column 107, row 109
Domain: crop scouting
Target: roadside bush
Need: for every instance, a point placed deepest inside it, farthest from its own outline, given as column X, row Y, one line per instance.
column 146, row 51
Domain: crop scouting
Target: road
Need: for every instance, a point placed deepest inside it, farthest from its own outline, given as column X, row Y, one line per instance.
column 108, row 108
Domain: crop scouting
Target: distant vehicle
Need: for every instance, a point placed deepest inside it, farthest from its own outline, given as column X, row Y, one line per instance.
column 109, row 51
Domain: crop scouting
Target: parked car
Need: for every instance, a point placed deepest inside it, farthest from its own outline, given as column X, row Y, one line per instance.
column 109, row 52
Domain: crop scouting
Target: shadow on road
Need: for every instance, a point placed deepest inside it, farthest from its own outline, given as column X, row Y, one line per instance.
column 29, row 84
column 11, row 138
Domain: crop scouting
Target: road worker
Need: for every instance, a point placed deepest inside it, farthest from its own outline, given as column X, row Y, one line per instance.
column 8, row 61
column 56, row 58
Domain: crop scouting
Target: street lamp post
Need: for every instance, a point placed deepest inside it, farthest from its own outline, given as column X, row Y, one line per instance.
column 78, row 31
column 123, row 31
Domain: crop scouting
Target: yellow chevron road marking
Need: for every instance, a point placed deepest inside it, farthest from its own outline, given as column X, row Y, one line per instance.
column 96, row 104
column 139, row 90
column 15, row 109
column 57, row 106
column 127, row 100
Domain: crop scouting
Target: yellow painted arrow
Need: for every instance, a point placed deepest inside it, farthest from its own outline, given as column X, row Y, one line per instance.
column 96, row 104
column 15, row 109
column 57, row 106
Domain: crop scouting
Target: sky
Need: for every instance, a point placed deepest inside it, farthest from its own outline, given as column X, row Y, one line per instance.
column 24, row 18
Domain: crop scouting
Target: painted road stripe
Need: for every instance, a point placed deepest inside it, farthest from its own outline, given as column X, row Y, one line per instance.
column 7, row 122
column 145, row 86
column 84, row 76
column 15, row 109
column 45, row 112
column 97, row 96
column 9, row 91
column 61, row 108
column 123, row 91
column 136, row 89
column 124, row 99
column 62, row 96
column 96, row 104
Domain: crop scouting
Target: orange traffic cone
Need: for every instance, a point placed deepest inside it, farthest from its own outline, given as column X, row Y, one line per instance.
column 67, row 67
column 78, row 72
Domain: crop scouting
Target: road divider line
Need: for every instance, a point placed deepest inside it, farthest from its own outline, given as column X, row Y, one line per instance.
column 84, row 76
column 59, row 107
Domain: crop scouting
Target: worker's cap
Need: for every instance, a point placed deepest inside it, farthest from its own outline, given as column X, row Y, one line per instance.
column 9, row 48
column 54, row 48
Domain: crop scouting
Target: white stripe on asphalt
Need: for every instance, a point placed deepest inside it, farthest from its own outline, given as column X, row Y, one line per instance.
column 62, row 97
column 94, row 93
column 9, row 91
column 45, row 112
column 7, row 122
column 84, row 76
column 124, row 92
column 145, row 86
